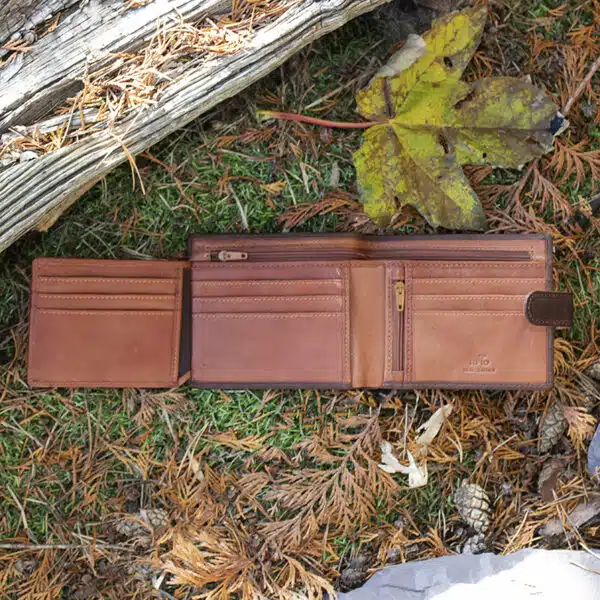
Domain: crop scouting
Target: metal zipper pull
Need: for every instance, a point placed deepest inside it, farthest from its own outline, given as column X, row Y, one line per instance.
column 399, row 289
column 229, row 255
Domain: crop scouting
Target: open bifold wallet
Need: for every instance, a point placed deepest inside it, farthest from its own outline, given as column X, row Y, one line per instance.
column 315, row 311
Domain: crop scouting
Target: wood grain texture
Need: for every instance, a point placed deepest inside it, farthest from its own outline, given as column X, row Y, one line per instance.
column 34, row 194
column 18, row 15
column 38, row 81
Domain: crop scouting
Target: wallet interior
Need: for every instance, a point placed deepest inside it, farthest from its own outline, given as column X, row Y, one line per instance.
column 346, row 311
column 106, row 323
column 316, row 311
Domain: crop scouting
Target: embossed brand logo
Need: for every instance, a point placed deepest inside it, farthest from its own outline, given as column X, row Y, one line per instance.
column 480, row 364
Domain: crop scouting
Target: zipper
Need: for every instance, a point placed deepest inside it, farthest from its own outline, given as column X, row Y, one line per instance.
column 277, row 255
column 399, row 293
column 306, row 254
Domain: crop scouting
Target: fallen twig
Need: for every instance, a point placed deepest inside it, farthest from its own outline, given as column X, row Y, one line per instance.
column 581, row 87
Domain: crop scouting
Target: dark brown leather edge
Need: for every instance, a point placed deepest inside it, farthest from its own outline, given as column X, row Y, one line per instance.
column 549, row 309
column 185, row 340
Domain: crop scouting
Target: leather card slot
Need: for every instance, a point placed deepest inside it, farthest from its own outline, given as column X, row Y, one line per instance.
column 261, row 271
column 105, row 285
column 265, row 287
column 472, row 302
column 266, row 304
column 108, row 348
column 106, row 268
column 478, row 270
column 494, row 286
column 478, row 347
column 105, row 301
column 259, row 348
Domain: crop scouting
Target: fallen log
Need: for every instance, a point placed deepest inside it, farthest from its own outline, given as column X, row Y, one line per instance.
column 34, row 193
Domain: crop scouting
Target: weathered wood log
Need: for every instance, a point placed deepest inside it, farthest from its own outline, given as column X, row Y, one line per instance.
column 86, row 40
column 34, row 194
column 19, row 15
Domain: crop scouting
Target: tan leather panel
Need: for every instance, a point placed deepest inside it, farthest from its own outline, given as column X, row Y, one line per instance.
column 105, row 323
column 367, row 324
column 104, row 285
column 296, row 287
column 477, row 347
column 74, row 348
column 255, row 272
column 266, row 304
column 472, row 302
column 498, row 285
column 479, row 270
column 83, row 267
column 106, row 301
column 256, row 348
column 536, row 247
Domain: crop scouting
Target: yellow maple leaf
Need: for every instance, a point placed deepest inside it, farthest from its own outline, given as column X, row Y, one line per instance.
column 429, row 123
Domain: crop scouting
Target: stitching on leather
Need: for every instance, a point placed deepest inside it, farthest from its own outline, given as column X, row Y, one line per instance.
column 274, row 265
column 390, row 299
column 480, row 263
column 528, row 310
column 346, row 366
column 229, row 282
column 469, row 296
column 134, row 313
column 98, row 383
column 75, row 279
column 158, row 265
column 470, row 385
column 429, row 281
column 346, row 244
column 176, row 328
column 105, row 297
column 254, row 315
column 489, row 313
column 267, row 298
column 532, row 299
column 408, row 348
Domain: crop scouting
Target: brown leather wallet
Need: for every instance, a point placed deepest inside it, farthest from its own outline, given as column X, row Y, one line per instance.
column 293, row 310
column 108, row 323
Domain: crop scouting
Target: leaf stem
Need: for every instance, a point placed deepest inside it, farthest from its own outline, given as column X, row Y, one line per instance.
column 267, row 114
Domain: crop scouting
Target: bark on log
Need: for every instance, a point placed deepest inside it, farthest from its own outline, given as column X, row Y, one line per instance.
column 19, row 15
column 34, row 194
column 86, row 39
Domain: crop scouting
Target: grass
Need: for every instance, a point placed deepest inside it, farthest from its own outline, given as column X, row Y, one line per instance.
column 69, row 460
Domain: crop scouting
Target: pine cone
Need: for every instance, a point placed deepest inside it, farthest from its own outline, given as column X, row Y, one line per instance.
column 594, row 371
column 474, row 545
column 552, row 427
column 473, row 505
column 155, row 517
column 133, row 526
column 130, row 528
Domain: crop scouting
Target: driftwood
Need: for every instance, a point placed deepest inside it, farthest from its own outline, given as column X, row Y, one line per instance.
column 86, row 39
column 19, row 15
column 33, row 194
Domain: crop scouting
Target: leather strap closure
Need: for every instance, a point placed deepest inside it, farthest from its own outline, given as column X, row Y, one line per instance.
column 550, row 309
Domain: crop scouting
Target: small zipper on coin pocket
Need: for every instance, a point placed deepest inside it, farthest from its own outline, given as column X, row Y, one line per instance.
column 399, row 294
